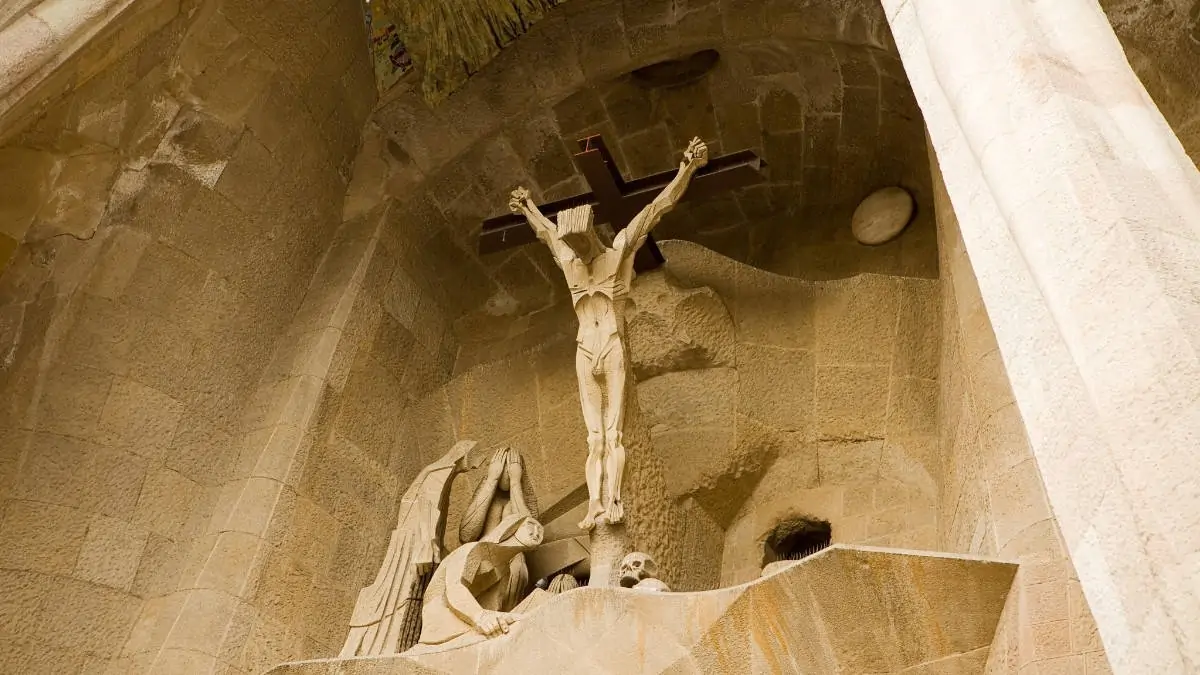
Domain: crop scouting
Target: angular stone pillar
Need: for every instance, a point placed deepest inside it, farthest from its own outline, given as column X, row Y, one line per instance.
column 1080, row 213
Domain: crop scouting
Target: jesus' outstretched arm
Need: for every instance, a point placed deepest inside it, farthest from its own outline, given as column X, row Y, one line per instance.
column 520, row 202
column 694, row 158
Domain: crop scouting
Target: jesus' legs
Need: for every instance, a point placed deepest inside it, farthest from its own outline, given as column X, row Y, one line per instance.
column 591, row 397
column 615, row 367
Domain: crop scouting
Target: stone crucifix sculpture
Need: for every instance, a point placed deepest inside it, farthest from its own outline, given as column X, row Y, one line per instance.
column 599, row 278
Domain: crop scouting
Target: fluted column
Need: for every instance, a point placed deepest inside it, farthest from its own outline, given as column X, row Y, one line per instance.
column 1080, row 213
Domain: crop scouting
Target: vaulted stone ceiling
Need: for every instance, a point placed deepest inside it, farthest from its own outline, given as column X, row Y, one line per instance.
column 813, row 86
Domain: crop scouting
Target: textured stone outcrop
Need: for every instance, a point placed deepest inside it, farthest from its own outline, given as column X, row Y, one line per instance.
column 712, row 453
column 672, row 328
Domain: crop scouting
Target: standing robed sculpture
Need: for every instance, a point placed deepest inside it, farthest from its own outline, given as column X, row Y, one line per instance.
column 599, row 278
column 387, row 615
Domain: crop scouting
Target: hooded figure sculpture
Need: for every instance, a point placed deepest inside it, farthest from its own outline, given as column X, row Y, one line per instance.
column 503, row 492
column 463, row 600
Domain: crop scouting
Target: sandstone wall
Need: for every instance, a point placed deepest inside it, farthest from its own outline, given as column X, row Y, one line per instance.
column 51, row 48
column 832, row 406
column 374, row 355
column 993, row 499
column 816, row 90
column 833, row 122
column 175, row 208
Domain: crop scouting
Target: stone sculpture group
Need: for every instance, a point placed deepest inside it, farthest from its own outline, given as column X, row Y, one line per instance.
column 419, row 597
column 503, row 493
column 421, row 601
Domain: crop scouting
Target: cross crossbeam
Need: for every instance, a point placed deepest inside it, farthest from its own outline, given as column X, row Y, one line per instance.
column 617, row 202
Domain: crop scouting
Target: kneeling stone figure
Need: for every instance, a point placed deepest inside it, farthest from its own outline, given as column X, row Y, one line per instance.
column 463, row 600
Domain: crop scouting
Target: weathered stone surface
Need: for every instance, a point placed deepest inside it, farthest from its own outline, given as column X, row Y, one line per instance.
column 723, row 483
column 689, row 399
column 79, row 197
column 775, row 386
column 176, row 278
column 26, row 177
column 691, row 416
column 111, row 553
column 673, row 329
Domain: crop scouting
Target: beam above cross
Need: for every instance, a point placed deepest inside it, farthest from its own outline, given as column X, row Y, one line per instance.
column 616, row 202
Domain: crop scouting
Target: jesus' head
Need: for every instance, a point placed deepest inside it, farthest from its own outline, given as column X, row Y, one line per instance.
column 576, row 229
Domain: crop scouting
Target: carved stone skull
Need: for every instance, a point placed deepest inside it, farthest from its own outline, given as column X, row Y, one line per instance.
column 635, row 567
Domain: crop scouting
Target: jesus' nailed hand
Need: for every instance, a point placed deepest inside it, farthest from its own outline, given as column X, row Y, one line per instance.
column 599, row 278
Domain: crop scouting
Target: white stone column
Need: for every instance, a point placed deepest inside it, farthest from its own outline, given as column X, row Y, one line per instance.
column 36, row 37
column 1080, row 213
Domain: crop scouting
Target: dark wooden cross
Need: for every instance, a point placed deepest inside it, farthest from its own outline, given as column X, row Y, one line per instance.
column 616, row 202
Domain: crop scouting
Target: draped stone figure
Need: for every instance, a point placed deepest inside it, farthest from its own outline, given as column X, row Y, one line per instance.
column 503, row 492
column 464, row 601
column 387, row 616
column 599, row 278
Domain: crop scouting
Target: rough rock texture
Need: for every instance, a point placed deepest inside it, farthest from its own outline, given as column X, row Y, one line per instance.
column 846, row 610
column 673, row 329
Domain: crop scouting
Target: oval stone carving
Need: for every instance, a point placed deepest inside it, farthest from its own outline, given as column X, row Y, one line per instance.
column 882, row 216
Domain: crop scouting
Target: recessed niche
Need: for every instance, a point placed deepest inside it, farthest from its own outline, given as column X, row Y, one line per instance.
column 796, row 538
column 676, row 72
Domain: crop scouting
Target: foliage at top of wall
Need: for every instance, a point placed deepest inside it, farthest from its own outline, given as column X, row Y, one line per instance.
column 452, row 39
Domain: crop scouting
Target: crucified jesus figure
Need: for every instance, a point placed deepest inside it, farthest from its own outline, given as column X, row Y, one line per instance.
column 599, row 278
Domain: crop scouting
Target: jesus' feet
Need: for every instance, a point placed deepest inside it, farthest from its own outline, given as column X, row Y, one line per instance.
column 595, row 510
column 614, row 512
